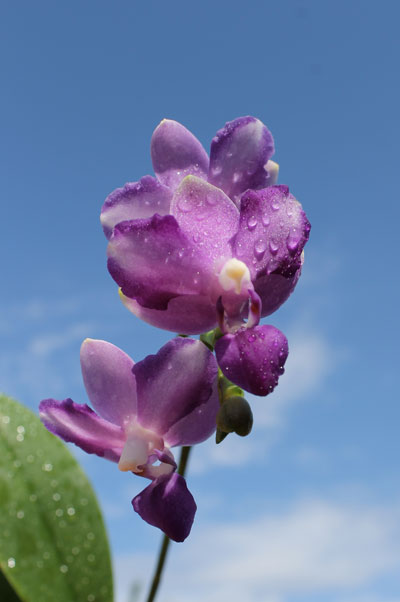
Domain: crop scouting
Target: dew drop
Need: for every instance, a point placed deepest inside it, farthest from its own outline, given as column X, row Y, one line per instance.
column 56, row 497
column 265, row 219
column 64, row 568
column 252, row 222
column 71, row 511
column 216, row 170
column 237, row 176
column 20, row 514
column 47, row 467
column 259, row 247
column 20, row 429
column 11, row 563
column 6, row 420
column 275, row 205
column 273, row 247
column 59, row 512
column 185, row 205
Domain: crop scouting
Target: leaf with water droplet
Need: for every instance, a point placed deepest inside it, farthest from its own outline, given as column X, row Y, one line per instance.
column 50, row 523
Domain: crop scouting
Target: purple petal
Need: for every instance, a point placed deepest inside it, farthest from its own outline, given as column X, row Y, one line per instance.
column 274, row 289
column 239, row 153
column 197, row 426
column 176, row 153
column 272, row 232
column 207, row 216
column 187, row 314
column 253, row 358
column 173, row 384
column 78, row 424
column 167, row 504
column 153, row 261
column 109, row 381
column 134, row 201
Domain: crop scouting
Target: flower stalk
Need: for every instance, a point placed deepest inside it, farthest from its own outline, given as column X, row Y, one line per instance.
column 183, row 460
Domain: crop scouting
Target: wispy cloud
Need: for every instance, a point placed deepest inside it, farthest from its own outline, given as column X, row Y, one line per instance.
column 316, row 546
column 43, row 345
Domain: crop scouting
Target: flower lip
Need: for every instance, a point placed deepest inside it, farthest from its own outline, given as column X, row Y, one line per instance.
column 140, row 444
column 234, row 275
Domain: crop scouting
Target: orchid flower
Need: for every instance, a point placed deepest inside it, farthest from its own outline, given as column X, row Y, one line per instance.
column 144, row 409
column 210, row 242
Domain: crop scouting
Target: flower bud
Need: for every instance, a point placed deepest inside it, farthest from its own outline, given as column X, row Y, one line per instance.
column 235, row 416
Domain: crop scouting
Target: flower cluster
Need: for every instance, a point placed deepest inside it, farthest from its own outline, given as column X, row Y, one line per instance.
column 211, row 241
column 209, row 244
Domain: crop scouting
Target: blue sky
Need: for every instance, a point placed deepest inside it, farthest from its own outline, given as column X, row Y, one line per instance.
column 307, row 507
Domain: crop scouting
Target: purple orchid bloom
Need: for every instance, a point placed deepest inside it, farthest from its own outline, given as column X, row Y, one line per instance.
column 209, row 241
column 165, row 400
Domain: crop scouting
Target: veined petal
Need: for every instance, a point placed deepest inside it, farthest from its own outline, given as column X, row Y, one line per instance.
column 272, row 232
column 207, row 216
column 176, row 153
column 239, row 154
column 254, row 358
column 167, row 504
column 135, row 200
column 186, row 314
column 174, row 383
column 153, row 261
column 78, row 424
column 109, row 381
column 197, row 426
column 274, row 289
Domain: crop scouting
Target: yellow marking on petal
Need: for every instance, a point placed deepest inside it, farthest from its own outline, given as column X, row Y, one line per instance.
column 234, row 275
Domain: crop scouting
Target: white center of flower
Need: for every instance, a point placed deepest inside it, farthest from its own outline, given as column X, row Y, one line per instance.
column 139, row 445
column 234, row 275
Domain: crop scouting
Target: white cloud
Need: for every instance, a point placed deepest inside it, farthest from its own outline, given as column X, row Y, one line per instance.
column 43, row 345
column 317, row 546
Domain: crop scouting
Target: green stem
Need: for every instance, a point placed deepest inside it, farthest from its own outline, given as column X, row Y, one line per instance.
column 185, row 451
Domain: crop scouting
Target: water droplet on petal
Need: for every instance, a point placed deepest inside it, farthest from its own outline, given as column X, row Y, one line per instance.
column 260, row 247
column 185, row 205
column 252, row 222
column 273, row 247
column 275, row 205
column 266, row 219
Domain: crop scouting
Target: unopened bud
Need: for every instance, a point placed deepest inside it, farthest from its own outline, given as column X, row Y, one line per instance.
column 235, row 416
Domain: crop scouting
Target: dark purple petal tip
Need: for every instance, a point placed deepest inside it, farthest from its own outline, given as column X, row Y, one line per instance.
column 135, row 200
column 167, row 504
column 253, row 358
column 239, row 154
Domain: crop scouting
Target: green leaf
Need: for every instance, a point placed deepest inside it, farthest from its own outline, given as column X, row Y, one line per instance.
column 53, row 545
